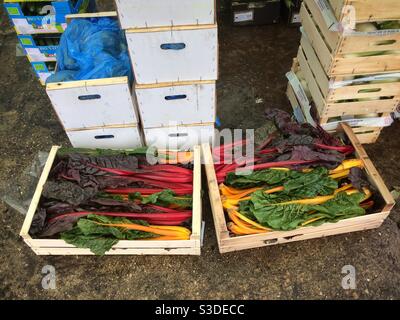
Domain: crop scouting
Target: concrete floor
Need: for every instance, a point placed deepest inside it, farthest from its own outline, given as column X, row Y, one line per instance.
column 253, row 61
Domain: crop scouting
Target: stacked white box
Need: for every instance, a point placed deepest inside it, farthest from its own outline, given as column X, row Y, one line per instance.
column 173, row 45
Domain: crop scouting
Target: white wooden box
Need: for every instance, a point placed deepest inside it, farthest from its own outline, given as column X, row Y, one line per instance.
column 182, row 137
column 181, row 102
column 173, row 54
column 106, row 138
column 91, row 103
column 158, row 13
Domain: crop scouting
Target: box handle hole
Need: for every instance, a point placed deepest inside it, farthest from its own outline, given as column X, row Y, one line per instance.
column 271, row 241
column 176, row 97
column 385, row 42
column 292, row 237
column 370, row 90
column 90, row 97
column 173, row 46
column 178, row 135
column 104, row 136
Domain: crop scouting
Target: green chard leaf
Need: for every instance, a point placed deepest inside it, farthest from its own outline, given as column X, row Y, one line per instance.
column 257, row 178
column 99, row 238
column 311, row 184
column 168, row 197
column 268, row 211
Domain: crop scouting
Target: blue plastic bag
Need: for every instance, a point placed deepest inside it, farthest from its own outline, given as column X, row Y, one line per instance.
column 92, row 49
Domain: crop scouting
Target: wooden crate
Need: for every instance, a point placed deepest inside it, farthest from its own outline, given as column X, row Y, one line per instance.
column 173, row 54
column 164, row 13
column 107, row 137
column 180, row 137
column 343, row 43
column 228, row 243
column 332, row 48
column 182, row 102
column 367, row 10
column 126, row 247
column 327, row 98
column 365, row 134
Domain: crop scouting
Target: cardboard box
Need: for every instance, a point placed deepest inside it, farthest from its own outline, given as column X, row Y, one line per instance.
column 44, row 70
column 40, row 47
column 31, row 17
column 255, row 12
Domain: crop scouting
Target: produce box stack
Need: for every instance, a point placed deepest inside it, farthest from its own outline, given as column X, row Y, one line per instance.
column 173, row 46
column 39, row 25
column 91, row 93
column 348, row 65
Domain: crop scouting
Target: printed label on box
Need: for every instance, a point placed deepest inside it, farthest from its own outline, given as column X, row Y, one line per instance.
column 363, row 122
column 328, row 15
column 301, row 96
column 244, row 16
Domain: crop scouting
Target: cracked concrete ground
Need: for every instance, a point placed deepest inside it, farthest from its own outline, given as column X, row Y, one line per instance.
column 253, row 62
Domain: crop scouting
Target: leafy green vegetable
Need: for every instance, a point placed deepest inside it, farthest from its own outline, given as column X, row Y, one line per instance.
column 310, row 184
column 269, row 212
column 99, row 238
column 296, row 183
column 389, row 25
column 246, row 180
column 343, row 206
column 167, row 197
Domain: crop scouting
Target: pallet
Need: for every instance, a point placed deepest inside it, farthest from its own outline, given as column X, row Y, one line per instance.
column 328, row 98
column 332, row 48
column 126, row 247
column 174, row 54
column 229, row 243
column 165, row 13
column 189, row 102
column 367, row 10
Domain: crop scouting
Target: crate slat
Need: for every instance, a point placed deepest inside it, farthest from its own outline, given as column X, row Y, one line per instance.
column 368, row 10
column 334, row 49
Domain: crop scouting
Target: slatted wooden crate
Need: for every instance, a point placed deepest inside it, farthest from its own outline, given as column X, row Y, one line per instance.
column 333, row 49
column 164, row 13
column 367, row 10
column 126, row 247
column 227, row 242
column 365, row 134
column 181, row 102
column 174, row 54
column 331, row 102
